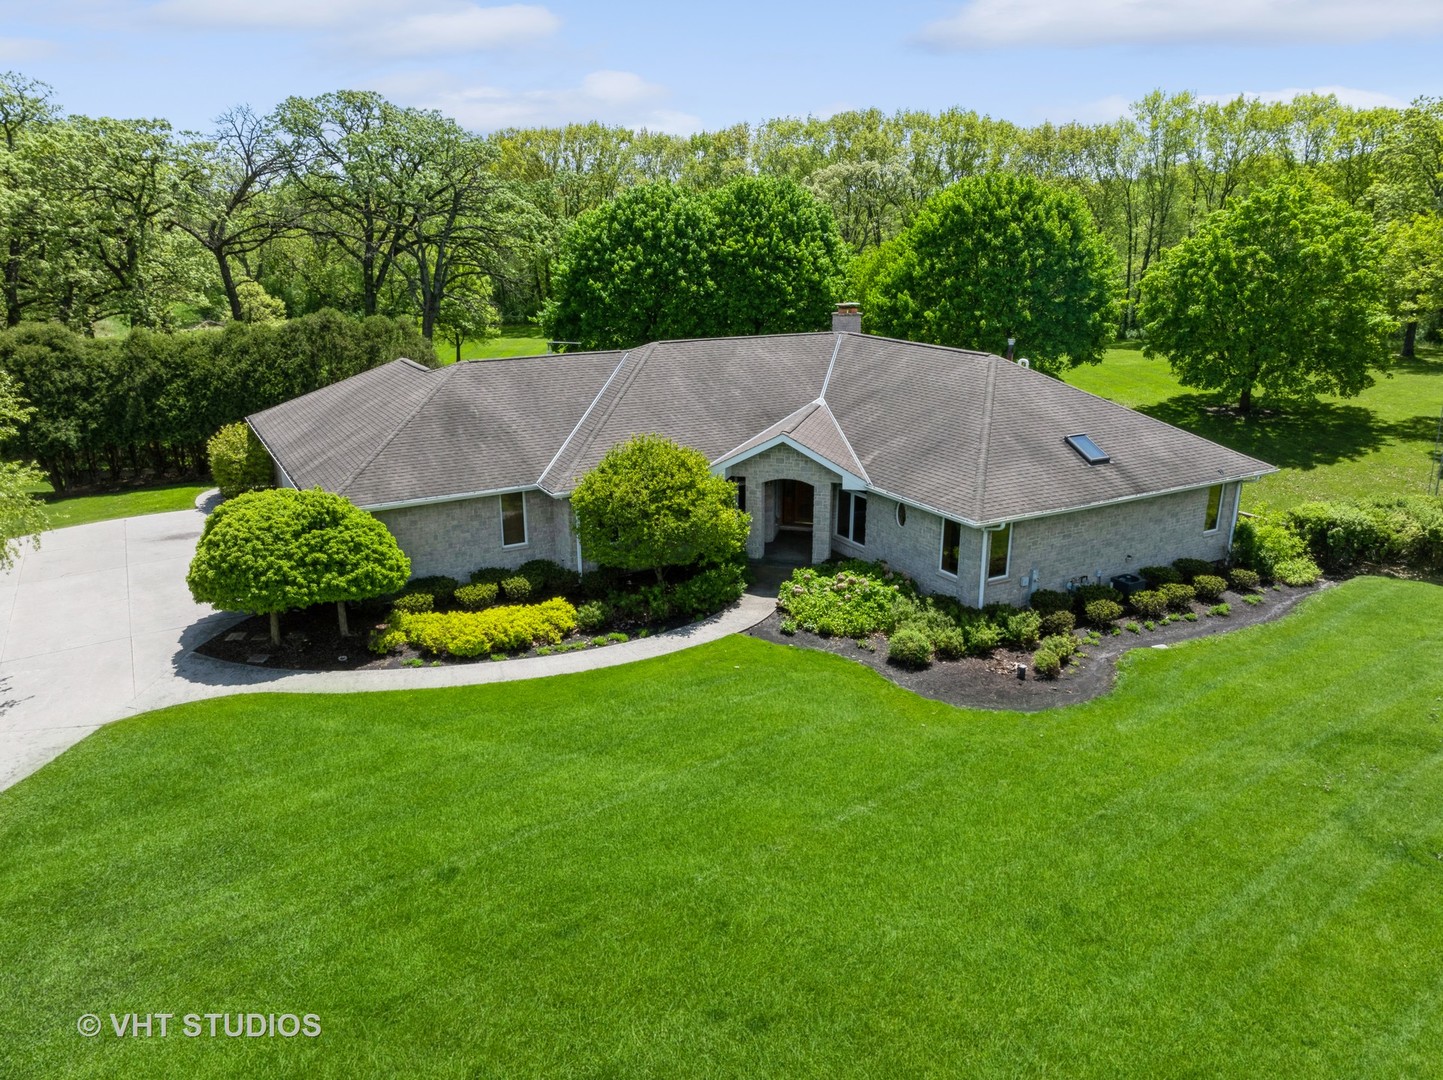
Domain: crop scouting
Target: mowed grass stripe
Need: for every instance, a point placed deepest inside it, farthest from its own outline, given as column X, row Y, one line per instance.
column 752, row 860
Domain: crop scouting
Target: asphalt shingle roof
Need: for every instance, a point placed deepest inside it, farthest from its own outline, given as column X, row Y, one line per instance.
column 965, row 433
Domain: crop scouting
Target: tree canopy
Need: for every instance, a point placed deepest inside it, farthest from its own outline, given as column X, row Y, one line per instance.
column 998, row 257
column 22, row 515
column 271, row 551
column 1280, row 292
column 650, row 504
column 758, row 255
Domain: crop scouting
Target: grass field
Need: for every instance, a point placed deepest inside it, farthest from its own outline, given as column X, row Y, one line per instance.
column 1379, row 443
column 747, row 860
column 517, row 340
column 83, row 509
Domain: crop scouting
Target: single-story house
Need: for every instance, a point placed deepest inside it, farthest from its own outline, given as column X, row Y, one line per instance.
column 974, row 475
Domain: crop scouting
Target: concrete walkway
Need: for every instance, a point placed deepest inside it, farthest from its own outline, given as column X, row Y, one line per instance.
column 98, row 625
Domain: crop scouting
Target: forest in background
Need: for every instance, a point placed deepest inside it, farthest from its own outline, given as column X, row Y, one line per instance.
column 348, row 201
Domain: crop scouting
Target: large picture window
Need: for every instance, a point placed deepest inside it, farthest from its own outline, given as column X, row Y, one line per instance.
column 1215, row 506
column 951, row 547
column 852, row 516
column 999, row 552
column 513, row 519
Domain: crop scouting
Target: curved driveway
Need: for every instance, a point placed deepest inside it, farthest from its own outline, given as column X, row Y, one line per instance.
column 98, row 624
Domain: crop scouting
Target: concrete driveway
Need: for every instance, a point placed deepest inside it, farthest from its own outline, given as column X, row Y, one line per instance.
column 90, row 621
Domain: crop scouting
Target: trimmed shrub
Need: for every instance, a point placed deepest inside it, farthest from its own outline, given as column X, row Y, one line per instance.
column 1191, row 568
column 1023, row 630
column 853, row 600
column 492, row 575
column 386, row 639
column 1262, row 545
column 1052, row 654
column 1297, row 572
column 1160, row 575
column 1243, row 579
column 477, row 596
column 1046, row 601
column 910, row 647
column 516, row 588
column 1209, row 587
column 496, row 630
column 238, row 461
column 1059, row 622
column 1085, row 595
column 414, row 603
column 441, row 588
column 1341, row 536
column 1179, row 597
column 1103, row 612
column 710, row 591
column 592, row 616
column 1149, row 603
column 950, row 643
column 982, row 637
column 548, row 578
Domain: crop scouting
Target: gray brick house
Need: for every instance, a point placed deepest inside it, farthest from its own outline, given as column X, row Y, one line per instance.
column 976, row 476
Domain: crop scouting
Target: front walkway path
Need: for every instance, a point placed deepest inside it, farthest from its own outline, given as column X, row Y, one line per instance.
column 98, row 625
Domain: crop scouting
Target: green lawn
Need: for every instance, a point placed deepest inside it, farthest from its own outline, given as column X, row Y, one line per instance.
column 518, row 340
column 749, row 860
column 83, row 509
column 1379, row 443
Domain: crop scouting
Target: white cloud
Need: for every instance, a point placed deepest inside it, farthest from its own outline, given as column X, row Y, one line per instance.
column 982, row 24
column 464, row 29
column 273, row 14
column 1347, row 95
column 615, row 97
column 15, row 50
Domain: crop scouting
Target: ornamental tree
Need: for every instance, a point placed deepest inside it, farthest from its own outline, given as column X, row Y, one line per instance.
column 1280, row 292
column 650, row 504
column 994, row 257
column 238, row 461
column 271, row 551
column 758, row 255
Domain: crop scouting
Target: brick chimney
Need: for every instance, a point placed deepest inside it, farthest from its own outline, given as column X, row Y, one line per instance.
column 847, row 319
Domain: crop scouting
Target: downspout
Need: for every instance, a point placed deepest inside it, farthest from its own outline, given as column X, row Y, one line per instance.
column 1237, row 512
column 982, row 571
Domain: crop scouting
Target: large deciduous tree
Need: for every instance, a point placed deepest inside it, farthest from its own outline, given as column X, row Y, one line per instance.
column 650, row 504
column 1279, row 292
column 755, row 256
column 993, row 257
column 271, row 551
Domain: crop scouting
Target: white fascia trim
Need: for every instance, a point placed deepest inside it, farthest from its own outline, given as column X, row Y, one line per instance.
column 403, row 503
column 1125, row 499
column 273, row 457
column 850, row 480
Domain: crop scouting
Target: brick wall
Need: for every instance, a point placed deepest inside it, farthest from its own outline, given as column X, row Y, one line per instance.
column 455, row 538
column 784, row 463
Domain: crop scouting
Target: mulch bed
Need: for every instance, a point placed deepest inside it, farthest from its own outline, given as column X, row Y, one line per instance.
column 992, row 683
column 311, row 641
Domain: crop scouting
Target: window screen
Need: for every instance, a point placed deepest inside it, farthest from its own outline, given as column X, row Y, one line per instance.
column 951, row 546
column 513, row 519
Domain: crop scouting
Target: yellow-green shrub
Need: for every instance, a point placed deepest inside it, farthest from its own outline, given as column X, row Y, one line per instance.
column 495, row 630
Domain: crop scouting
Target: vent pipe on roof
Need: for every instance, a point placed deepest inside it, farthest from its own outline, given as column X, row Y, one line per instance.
column 1010, row 343
column 847, row 319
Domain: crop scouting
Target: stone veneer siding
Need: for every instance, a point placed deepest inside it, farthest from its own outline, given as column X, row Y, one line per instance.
column 785, row 463
column 455, row 538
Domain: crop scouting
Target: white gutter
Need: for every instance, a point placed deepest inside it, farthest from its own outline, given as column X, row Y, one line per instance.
column 403, row 503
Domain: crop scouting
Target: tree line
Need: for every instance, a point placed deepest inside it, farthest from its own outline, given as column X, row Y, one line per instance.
column 351, row 202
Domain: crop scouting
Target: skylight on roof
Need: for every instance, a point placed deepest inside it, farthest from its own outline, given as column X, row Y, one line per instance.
column 1090, row 451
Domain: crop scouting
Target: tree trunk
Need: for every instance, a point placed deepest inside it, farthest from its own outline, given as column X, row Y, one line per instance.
column 341, row 618
column 275, row 628
column 1245, row 400
column 228, row 280
column 1410, row 337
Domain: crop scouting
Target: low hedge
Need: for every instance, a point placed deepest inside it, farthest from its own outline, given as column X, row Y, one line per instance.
column 1046, row 601
column 1058, row 622
column 1243, row 579
column 1179, row 597
column 910, row 647
column 478, row 633
column 1103, row 612
column 474, row 597
column 1052, row 654
column 1149, row 603
column 1209, row 587
column 1190, row 569
column 1156, row 576
column 710, row 591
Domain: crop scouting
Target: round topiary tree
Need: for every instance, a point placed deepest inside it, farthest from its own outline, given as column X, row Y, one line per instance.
column 271, row 551
column 650, row 504
column 238, row 461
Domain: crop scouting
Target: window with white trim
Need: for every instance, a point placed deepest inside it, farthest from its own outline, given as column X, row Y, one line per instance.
column 513, row 519
column 951, row 547
column 852, row 517
column 1215, row 505
column 999, row 552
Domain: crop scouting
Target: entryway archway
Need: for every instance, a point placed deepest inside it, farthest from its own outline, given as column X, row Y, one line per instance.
column 790, row 520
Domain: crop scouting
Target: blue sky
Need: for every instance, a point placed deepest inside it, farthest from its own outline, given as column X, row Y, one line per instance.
column 682, row 67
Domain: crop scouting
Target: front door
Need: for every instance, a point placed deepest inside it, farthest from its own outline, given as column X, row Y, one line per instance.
column 795, row 498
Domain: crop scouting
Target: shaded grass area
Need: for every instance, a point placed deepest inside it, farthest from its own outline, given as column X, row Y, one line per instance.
column 748, row 860
column 1379, row 443
column 66, row 510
